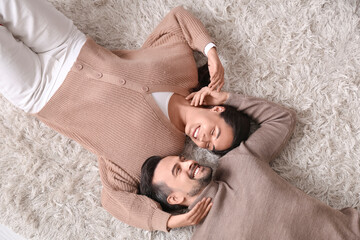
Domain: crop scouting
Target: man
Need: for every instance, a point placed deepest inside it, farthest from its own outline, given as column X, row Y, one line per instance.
column 250, row 201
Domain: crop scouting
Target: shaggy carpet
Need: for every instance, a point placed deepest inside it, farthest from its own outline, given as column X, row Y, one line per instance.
column 302, row 54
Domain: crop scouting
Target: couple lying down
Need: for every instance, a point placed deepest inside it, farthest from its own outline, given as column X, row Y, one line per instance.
column 111, row 102
column 249, row 200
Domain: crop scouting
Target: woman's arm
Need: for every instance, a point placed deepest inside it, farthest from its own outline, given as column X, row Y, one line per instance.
column 183, row 26
column 193, row 217
column 216, row 70
column 180, row 25
column 119, row 197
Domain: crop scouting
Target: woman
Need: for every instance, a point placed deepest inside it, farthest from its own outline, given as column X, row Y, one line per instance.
column 114, row 103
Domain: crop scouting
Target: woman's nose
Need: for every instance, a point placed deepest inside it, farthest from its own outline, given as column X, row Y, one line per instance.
column 203, row 137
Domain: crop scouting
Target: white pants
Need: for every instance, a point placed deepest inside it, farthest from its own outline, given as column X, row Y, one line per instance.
column 38, row 46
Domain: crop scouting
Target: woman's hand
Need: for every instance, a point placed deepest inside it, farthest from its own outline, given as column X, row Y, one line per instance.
column 216, row 70
column 206, row 96
column 193, row 217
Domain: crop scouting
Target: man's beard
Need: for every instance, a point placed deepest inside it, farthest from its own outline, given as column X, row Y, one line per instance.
column 201, row 183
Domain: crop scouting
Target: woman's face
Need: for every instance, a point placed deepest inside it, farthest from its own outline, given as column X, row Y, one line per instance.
column 207, row 129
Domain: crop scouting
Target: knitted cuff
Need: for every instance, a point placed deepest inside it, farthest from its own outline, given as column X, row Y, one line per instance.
column 159, row 220
column 235, row 100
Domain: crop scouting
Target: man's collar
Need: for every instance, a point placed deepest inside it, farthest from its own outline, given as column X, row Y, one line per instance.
column 209, row 191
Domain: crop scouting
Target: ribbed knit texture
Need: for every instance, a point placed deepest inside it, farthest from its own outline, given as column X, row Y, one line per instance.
column 251, row 201
column 105, row 104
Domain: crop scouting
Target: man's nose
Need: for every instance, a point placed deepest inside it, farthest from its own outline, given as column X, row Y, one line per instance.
column 186, row 165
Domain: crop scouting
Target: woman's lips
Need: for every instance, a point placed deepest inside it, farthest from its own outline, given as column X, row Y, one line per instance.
column 196, row 132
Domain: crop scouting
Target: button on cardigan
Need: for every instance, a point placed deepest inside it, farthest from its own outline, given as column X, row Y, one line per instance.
column 105, row 104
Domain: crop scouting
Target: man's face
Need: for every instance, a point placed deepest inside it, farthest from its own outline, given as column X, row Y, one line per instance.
column 182, row 175
column 207, row 129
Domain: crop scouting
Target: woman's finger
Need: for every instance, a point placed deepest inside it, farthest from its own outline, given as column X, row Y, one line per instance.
column 205, row 213
column 200, row 211
column 220, row 86
column 204, row 210
column 198, row 100
column 214, row 85
column 195, row 210
column 190, row 96
column 194, row 97
column 211, row 84
column 203, row 96
column 195, row 100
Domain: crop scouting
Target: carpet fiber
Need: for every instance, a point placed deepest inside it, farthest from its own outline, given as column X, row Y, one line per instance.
column 302, row 54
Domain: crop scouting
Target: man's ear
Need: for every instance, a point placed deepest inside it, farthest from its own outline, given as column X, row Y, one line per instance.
column 175, row 198
column 218, row 109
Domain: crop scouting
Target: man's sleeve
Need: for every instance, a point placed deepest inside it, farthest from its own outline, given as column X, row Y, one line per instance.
column 180, row 25
column 119, row 197
column 276, row 122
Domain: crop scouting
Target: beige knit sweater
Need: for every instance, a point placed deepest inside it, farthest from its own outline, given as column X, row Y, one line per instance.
column 105, row 104
column 252, row 202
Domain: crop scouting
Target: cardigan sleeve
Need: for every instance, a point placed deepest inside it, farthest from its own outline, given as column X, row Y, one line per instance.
column 119, row 197
column 276, row 122
column 180, row 24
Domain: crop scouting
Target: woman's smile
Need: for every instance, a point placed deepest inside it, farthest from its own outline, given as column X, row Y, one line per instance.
column 196, row 132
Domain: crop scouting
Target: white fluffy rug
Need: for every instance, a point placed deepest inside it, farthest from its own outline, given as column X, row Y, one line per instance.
column 303, row 54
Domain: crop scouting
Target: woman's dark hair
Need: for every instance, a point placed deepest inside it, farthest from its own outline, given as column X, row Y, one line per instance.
column 239, row 121
column 203, row 77
column 240, row 124
column 157, row 192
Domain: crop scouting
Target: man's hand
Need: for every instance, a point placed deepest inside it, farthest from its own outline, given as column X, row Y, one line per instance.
column 193, row 217
column 216, row 70
column 206, row 96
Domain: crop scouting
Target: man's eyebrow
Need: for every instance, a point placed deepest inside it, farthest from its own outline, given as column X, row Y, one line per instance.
column 216, row 138
column 173, row 169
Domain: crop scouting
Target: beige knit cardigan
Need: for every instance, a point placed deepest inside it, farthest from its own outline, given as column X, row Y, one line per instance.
column 105, row 104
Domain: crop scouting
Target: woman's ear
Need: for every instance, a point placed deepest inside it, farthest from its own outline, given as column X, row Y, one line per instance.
column 175, row 198
column 218, row 109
